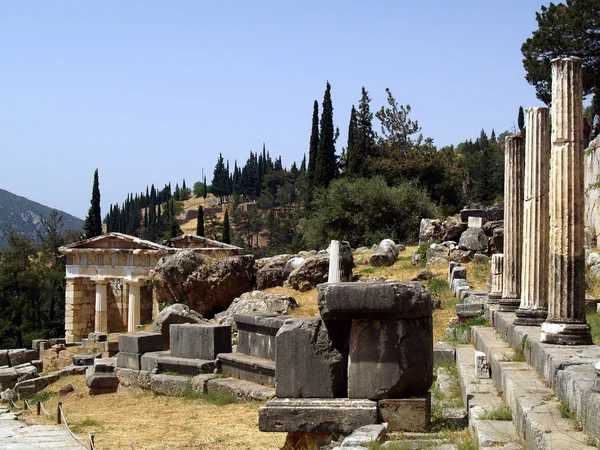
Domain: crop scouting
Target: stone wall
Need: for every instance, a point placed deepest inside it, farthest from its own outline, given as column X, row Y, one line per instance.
column 80, row 298
column 118, row 305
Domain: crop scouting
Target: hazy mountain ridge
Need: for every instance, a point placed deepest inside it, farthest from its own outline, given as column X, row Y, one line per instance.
column 25, row 217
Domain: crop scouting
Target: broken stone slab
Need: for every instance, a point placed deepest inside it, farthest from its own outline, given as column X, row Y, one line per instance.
column 256, row 334
column 133, row 378
column 37, row 343
column 149, row 361
column 26, row 372
column 443, row 353
column 128, row 360
column 246, row 367
column 406, row 414
column 200, row 382
column 105, row 365
column 460, row 289
column 316, row 415
column 140, row 342
column 390, row 358
column 312, row 356
column 4, row 358
column 451, row 267
column 456, row 284
column 104, row 381
column 85, row 359
column 390, row 300
column 174, row 385
column 458, row 273
column 466, row 213
column 482, row 366
column 200, row 341
column 242, row 389
column 472, row 292
column 21, row 356
column 469, row 310
column 363, row 435
column 385, row 254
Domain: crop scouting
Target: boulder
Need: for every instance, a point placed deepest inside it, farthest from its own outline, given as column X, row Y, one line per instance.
column 385, row 254
column 480, row 258
column 205, row 285
column 489, row 227
column 437, row 262
column 172, row 314
column 293, row 264
column 270, row 271
column 592, row 259
column 430, row 231
column 454, row 232
column 461, row 256
column 437, row 251
column 314, row 271
column 257, row 302
column 475, row 240
column 423, row 275
column 497, row 241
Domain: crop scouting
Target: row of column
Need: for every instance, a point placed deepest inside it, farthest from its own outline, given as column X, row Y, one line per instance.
column 543, row 276
column 101, row 312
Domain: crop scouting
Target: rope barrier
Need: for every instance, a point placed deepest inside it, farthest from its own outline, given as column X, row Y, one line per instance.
column 44, row 409
column 78, row 439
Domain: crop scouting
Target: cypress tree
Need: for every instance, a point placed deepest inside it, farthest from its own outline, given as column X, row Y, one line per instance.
column 365, row 137
column 200, row 224
column 325, row 168
column 353, row 165
column 521, row 119
column 303, row 164
column 204, row 189
column 314, row 144
column 226, row 232
column 93, row 222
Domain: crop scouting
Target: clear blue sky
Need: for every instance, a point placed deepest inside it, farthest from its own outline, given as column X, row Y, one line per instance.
column 151, row 92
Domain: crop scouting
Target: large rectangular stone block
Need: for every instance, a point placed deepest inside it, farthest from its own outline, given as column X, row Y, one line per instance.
column 312, row 358
column 390, row 358
column 140, row 342
column 391, row 300
column 127, row 360
column 407, row 414
column 316, row 415
column 199, row 341
column 256, row 334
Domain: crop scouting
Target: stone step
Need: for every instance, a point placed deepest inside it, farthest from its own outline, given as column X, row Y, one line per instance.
column 534, row 407
column 249, row 368
column 242, row 389
column 184, row 366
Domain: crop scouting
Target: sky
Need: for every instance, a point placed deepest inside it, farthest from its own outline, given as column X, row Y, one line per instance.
column 151, row 92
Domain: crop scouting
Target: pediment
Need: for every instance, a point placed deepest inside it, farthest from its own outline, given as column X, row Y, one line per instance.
column 114, row 241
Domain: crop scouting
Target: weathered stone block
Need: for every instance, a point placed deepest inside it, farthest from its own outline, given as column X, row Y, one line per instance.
column 185, row 366
column 482, row 366
column 458, row 273
column 407, row 414
column 35, row 344
column 256, row 334
column 312, row 357
column 149, row 361
column 242, row 389
column 246, row 367
column 4, row 358
column 390, row 358
column 102, row 380
column 469, row 310
column 169, row 384
column 140, row 342
column 317, row 415
column 85, row 359
column 466, row 213
column 199, row 341
column 128, row 360
column 391, row 300
column 21, row 356
column 364, row 435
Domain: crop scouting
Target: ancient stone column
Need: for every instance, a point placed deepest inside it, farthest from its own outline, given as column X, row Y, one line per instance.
column 133, row 314
column 334, row 262
column 496, row 271
column 566, row 322
column 514, row 165
column 101, row 312
column 534, row 271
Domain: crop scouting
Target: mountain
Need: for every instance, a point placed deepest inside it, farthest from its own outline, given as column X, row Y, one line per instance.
column 25, row 217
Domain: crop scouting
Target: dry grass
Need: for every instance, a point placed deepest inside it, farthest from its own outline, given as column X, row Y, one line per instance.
column 140, row 420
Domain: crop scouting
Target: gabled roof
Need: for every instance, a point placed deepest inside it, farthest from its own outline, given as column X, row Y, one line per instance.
column 193, row 241
column 114, row 241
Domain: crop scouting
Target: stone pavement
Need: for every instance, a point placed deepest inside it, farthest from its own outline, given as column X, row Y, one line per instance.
column 16, row 435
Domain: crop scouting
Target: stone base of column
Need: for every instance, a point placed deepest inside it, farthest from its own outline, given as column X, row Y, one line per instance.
column 509, row 304
column 566, row 333
column 530, row 317
column 494, row 297
column 596, row 385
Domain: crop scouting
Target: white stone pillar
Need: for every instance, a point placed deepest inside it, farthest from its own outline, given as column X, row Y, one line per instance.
column 133, row 316
column 496, row 271
column 334, row 262
column 101, row 312
column 566, row 323
column 514, row 165
column 536, row 220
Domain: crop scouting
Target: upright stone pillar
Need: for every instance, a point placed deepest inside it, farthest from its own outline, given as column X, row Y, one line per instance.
column 101, row 312
column 566, row 322
column 514, row 165
column 334, row 262
column 534, row 272
column 133, row 316
column 497, row 273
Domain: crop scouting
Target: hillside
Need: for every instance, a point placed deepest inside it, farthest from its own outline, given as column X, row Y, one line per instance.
column 25, row 215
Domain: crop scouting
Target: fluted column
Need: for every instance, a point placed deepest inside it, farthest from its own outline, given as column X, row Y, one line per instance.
column 101, row 312
column 133, row 313
column 514, row 165
column 566, row 322
column 496, row 270
column 536, row 219
column 334, row 262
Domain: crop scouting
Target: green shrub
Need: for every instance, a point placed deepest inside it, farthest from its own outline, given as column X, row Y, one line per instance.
column 365, row 211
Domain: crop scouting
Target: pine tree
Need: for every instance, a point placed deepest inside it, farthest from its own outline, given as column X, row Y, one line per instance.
column 353, row 165
column 219, row 183
column 493, row 136
column 93, row 222
column 325, row 169
column 303, row 164
column 314, row 144
column 200, row 224
column 226, row 231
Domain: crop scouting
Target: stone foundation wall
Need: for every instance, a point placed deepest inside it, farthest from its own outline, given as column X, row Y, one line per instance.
column 118, row 305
